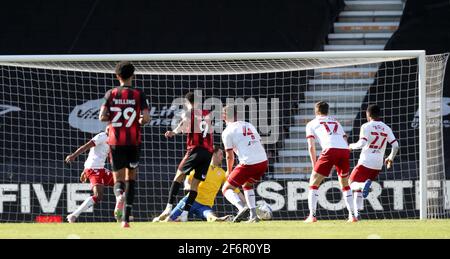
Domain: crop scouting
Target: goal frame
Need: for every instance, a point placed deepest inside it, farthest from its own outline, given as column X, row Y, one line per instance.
column 411, row 54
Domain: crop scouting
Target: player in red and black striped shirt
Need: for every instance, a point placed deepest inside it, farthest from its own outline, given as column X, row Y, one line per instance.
column 196, row 123
column 126, row 109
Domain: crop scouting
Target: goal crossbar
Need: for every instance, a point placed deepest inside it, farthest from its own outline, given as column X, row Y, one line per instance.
column 404, row 54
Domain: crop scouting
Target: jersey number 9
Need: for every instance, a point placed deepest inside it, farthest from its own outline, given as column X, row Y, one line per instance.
column 204, row 128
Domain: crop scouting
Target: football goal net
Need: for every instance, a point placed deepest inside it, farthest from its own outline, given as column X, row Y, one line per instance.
column 49, row 107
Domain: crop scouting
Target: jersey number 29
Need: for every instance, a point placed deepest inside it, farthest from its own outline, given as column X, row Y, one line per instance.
column 129, row 114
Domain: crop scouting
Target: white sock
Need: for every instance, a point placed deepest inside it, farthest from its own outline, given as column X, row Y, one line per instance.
column 169, row 207
column 251, row 201
column 348, row 198
column 234, row 199
column 250, row 198
column 355, row 186
column 120, row 197
column 89, row 202
column 312, row 201
column 358, row 202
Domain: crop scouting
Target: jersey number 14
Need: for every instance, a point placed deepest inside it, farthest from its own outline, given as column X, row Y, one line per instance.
column 248, row 132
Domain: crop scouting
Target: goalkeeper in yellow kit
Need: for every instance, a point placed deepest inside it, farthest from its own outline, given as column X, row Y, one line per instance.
column 207, row 192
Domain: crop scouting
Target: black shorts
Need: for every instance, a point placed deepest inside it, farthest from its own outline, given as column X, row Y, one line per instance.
column 197, row 159
column 124, row 157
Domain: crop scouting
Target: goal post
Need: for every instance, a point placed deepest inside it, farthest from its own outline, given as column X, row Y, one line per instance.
column 278, row 88
column 422, row 132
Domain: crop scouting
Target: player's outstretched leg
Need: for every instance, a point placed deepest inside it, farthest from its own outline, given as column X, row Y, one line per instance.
column 249, row 194
column 242, row 214
column 173, row 192
column 192, row 195
column 165, row 214
column 118, row 209
column 358, row 200
column 119, row 189
column 89, row 202
column 234, row 199
column 71, row 218
column 313, row 197
column 348, row 198
column 228, row 191
column 187, row 207
column 358, row 203
column 130, row 190
column 312, row 204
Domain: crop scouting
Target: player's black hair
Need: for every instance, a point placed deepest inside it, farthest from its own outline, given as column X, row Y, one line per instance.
column 124, row 69
column 322, row 107
column 190, row 97
column 374, row 111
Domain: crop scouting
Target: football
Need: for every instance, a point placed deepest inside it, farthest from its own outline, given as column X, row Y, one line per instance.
column 264, row 211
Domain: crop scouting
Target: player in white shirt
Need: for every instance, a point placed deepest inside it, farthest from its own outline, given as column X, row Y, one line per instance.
column 335, row 152
column 94, row 170
column 374, row 136
column 242, row 138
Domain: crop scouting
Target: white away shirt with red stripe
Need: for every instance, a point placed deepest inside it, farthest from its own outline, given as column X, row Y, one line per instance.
column 98, row 153
column 328, row 131
column 377, row 134
column 245, row 141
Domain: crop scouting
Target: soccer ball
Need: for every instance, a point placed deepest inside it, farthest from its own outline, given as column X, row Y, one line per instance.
column 264, row 211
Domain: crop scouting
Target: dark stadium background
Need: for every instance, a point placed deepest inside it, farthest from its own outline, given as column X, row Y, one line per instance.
column 161, row 26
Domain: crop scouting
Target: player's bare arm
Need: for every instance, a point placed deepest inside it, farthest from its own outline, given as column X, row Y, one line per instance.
column 230, row 160
column 179, row 129
column 169, row 134
column 358, row 145
column 104, row 114
column 83, row 177
column 390, row 159
column 312, row 151
column 79, row 151
column 145, row 117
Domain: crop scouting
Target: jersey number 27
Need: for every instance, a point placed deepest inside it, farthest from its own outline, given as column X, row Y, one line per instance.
column 378, row 136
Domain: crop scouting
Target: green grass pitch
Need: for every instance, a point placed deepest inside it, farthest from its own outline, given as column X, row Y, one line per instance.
column 263, row 230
